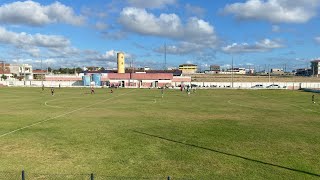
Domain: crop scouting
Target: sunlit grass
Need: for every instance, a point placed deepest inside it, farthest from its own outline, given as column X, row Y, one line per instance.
column 211, row 134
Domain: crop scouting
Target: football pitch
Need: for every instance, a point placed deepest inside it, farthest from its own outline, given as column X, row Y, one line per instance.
column 135, row 133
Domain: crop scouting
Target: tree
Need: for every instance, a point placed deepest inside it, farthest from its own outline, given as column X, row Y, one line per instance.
column 3, row 77
column 79, row 70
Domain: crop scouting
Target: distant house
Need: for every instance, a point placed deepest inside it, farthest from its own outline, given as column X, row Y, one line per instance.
column 303, row 72
column 188, row 68
column 277, row 71
column 5, row 70
column 315, row 67
column 39, row 74
column 234, row 71
column 22, row 70
column 214, row 69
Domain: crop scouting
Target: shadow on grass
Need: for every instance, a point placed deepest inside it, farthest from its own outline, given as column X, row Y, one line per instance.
column 229, row 154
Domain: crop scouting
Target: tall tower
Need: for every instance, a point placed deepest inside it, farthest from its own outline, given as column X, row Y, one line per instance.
column 120, row 62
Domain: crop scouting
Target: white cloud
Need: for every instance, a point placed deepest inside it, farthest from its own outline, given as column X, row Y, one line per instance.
column 101, row 26
column 108, row 56
column 276, row 28
column 276, row 11
column 261, row 46
column 195, row 10
column 33, row 43
column 39, row 40
column 317, row 39
column 195, row 32
column 34, row 14
column 93, row 12
column 114, row 35
column 152, row 4
column 181, row 48
column 140, row 21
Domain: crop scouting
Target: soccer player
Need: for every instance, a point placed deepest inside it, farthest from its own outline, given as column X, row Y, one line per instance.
column 52, row 91
column 42, row 87
column 188, row 91
column 162, row 92
column 313, row 99
column 92, row 90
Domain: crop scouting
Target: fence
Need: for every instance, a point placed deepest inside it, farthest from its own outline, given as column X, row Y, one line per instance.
column 23, row 175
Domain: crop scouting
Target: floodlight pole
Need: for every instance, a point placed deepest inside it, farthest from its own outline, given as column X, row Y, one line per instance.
column 165, row 56
column 269, row 72
column 41, row 76
column 2, row 62
column 24, row 74
column 232, row 72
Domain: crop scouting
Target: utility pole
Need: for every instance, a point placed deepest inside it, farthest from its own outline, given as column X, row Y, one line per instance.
column 285, row 67
column 232, row 72
column 313, row 67
column 2, row 62
column 265, row 68
column 42, row 74
column 269, row 71
column 165, row 56
column 24, row 73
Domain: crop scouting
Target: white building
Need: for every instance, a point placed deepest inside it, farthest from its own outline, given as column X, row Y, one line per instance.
column 315, row 68
column 277, row 71
column 234, row 71
column 24, row 70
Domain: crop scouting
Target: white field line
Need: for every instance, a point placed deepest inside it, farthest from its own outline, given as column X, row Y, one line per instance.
column 61, row 115
column 46, row 103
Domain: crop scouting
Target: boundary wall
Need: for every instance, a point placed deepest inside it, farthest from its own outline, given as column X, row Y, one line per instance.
column 148, row 84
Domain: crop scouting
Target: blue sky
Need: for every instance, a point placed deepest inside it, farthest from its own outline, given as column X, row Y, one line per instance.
column 81, row 33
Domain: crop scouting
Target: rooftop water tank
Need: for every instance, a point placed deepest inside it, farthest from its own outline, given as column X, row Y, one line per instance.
column 96, row 78
column 86, row 80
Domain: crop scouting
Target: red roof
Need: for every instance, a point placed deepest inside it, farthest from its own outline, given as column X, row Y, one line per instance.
column 57, row 78
column 119, row 75
column 4, row 72
column 39, row 71
column 138, row 76
column 152, row 76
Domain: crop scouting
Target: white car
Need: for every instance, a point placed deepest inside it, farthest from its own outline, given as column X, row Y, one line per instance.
column 273, row 86
column 257, row 86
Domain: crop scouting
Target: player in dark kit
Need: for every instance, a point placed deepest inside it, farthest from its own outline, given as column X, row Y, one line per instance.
column 52, row 91
column 313, row 99
column 162, row 89
column 92, row 90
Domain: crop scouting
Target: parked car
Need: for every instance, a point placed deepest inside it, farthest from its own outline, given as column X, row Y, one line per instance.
column 257, row 86
column 273, row 86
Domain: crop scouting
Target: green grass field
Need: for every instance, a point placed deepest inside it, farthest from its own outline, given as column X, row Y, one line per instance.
column 135, row 134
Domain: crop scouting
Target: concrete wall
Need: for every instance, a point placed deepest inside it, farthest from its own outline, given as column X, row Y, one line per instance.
column 249, row 85
column 149, row 83
column 45, row 83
